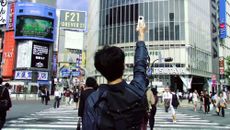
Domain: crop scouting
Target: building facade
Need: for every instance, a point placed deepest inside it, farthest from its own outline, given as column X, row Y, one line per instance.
column 176, row 28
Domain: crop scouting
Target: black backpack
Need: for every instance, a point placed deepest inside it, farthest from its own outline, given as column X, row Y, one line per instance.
column 175, row 102
column 120, row 110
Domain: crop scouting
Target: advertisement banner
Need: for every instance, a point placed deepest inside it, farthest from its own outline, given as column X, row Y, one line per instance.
column 40, row 55
column 8, row 54
column 3, row 11
column 74, row 20
column 222, row 19
column 221, row 67
column 10, row 23
column 24, row 54
column 28, row 75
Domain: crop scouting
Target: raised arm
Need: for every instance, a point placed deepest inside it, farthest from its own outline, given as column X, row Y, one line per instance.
column 140, row 81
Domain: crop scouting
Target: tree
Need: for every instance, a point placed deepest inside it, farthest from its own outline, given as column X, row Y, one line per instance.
column 227, row 70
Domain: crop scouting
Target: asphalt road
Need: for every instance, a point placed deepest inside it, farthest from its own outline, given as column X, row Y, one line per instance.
column 23, row 108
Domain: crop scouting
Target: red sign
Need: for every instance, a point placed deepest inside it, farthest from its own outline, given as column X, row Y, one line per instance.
column 8, row 54
column 11, row 17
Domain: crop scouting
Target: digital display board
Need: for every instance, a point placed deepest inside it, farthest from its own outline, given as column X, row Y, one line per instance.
column 31, row 26
column 40, row 55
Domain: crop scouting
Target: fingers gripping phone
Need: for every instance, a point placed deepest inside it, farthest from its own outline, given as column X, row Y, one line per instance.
column 141, row 22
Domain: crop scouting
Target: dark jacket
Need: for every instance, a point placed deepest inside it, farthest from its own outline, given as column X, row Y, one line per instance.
column 83, row 97
column 137, row 86
column 5, row 95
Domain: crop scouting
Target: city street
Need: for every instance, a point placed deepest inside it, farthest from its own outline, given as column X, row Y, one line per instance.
column 38, row 116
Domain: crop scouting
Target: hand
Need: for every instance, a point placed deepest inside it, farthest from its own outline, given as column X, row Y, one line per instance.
column 141, row 31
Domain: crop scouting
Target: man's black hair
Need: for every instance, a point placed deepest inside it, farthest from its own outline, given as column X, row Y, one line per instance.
column 91, row 82
column 109, row 61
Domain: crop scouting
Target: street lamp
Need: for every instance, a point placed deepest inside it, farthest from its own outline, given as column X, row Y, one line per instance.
column 150, row 68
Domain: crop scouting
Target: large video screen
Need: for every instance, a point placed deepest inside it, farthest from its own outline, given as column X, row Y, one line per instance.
column 32, row 26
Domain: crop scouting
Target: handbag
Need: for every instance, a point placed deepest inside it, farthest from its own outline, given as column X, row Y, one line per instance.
column 3, row 102
column 222, row 105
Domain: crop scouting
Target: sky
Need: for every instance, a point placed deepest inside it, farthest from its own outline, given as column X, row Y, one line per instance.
column 81, row 5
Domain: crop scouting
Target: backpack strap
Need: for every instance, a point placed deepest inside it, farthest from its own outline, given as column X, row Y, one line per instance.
column 3, row 89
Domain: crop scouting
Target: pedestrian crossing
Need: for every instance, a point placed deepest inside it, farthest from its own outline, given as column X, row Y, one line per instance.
column 163, row 121
column 65, row 118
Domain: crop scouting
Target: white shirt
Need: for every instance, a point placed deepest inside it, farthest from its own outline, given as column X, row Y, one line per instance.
column 167, row 95
column 57, row 94
column 195, row 97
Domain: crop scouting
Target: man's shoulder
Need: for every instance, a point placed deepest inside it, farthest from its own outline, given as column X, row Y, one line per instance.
column 93, row 98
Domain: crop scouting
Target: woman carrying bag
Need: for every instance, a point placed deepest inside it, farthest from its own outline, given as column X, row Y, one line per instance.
column 221, row 105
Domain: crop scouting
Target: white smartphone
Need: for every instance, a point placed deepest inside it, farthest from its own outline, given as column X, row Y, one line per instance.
column 141, row 20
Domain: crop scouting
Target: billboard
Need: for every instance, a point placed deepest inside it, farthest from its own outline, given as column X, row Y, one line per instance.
column 10, row 18
column 8, row 54
column 31, row 26
column 74, row 40
column 74, row 20
column 222, row 19
column 24, row 54
column 34, row 21
column 3, row 11
column 28, row 75
column 40, row 55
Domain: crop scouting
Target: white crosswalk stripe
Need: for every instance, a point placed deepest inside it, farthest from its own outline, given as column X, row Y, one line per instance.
column 63, row 118
column 163, row 121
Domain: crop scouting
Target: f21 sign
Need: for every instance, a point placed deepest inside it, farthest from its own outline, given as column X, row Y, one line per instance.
column 40, row 55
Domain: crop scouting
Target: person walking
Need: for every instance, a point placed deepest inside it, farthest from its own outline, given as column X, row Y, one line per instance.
column 117, row 104
column 201, row 97
column 5, row 103
column 76, row 97
column 90, row 86
column 174, row 103
column 166, row 98
column 207, row 102
column 41, row 94
column 67, row 95
column 221, row 104
column 47, row 96
column 195, row 99
column 152, row 105
column 57, row 98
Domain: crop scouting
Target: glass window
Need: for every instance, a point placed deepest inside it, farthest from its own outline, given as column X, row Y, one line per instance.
column 114, row 35
column 156, row 32
column 161, row 31
column 177, row 10
column 151, row 12
column 166, row 11
column 182, row 31
column 151, row 31
column 181, row 10
column 146, row 13
column 131, row 33
column 118, row 34
column 156, row 11
column 127, row 33
column 177, row 31
column 166, row 31
column 123, row 34
column 161, row 11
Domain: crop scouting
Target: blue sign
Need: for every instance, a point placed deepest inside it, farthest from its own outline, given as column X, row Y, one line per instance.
column 76, row 73
column 222, row 19
column 65, row 72
column 34, row 21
